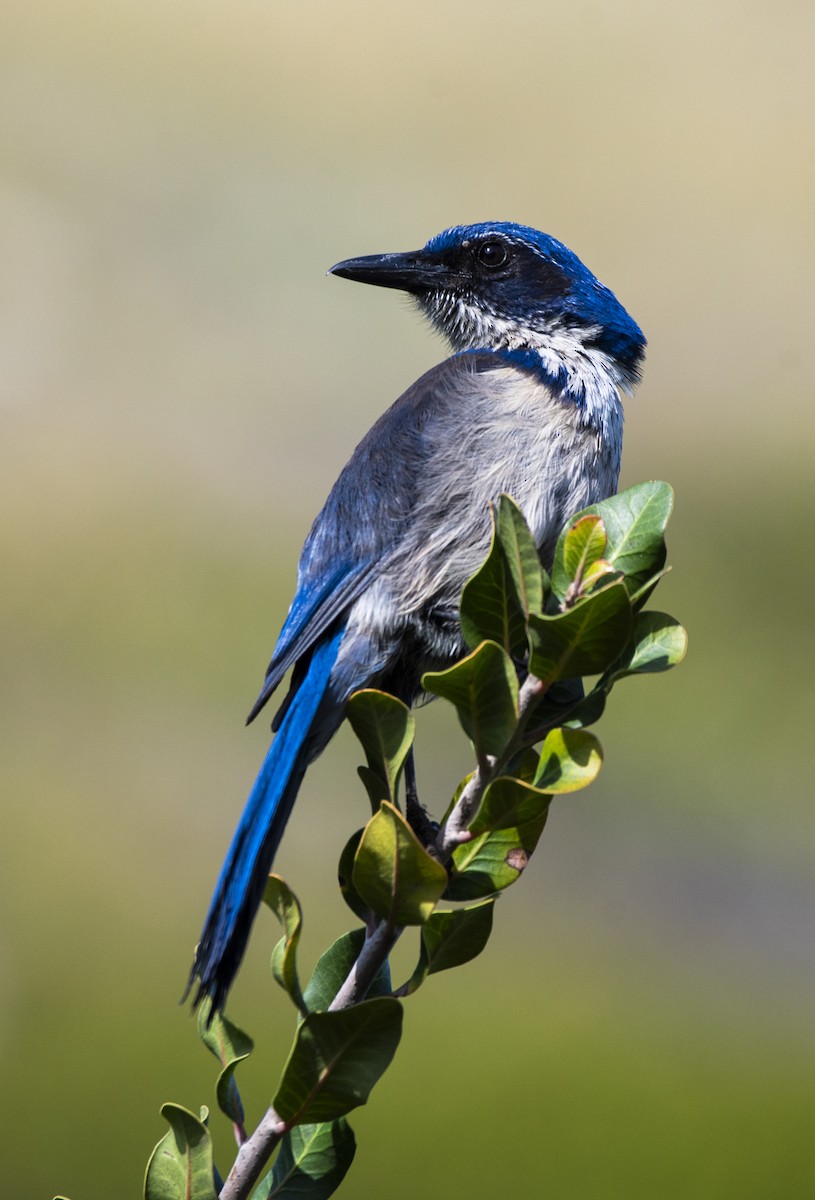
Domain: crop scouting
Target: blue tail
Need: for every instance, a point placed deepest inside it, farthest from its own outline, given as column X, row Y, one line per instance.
column 240, row 886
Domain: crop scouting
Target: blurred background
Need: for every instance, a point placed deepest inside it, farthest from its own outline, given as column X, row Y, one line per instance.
column 180, row 385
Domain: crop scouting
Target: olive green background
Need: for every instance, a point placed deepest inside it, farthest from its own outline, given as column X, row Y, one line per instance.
column 179, row 386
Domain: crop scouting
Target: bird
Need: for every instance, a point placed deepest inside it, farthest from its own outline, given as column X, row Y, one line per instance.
column 529, row 403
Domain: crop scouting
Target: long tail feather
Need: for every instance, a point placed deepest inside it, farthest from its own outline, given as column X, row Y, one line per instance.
column 240, row 886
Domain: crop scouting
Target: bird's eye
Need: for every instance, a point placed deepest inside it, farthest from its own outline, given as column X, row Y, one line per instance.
column 492, row 254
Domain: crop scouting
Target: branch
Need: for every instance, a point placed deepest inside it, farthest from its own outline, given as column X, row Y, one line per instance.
column 253, row 1157
column 455, row 830
column 379, row 941
column 256, row 1151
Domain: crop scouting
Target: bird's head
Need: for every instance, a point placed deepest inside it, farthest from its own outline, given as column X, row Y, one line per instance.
column 501, row 286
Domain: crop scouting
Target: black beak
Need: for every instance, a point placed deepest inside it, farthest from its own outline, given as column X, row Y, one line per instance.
column 413, row 272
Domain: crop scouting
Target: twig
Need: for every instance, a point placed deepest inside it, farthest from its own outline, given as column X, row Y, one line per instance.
column 454, row 831
column 379, row 941
column 258, row 1149
column 253, row 1157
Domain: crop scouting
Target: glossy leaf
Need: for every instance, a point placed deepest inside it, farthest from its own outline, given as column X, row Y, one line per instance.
column 599, row 573
column 585, row 710
column 525, row 765
column 332, row 970
column 385, row 727
column 509, row 804
column 583, row 640
column 488, row 609
column 393, row 873
column 529, row 580
column 336, row 1059
column 279, row 897
column 376, row 787
column 658, row 642
column 180, row 1167
column 588, row 711
column 492, row 862
column 510, row 584
column 506, row 830
column 570, row 759
column 579, row 549
column 639, row 597
column 484, row 688
column 345, row 877
column 231, row 1046
column 635, row 523
column 311, row 1164
column 451, row 938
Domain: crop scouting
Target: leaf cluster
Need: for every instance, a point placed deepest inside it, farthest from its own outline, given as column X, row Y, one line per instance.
column 544, row 651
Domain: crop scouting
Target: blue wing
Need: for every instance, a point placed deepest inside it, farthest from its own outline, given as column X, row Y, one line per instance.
column 368, row 511
column 317, row 604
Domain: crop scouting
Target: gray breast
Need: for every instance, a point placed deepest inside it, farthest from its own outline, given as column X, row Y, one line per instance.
column 505, row 432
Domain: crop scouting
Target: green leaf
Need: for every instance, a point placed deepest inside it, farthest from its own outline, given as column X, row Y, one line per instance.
column 506, row 830
column 570, row 759
column 488, row 611
column 509, row 804
column 180, row 1167
column 279, row 897
column 492, row 862
column 451, row 938
column 584, row 711
column 579, row 549
column 385, row 727
column 555, row 708
column 393, row 873
column 484, row 689
column 231, row 1046
column 336, row 1059
column 658, row 642
column 332, row 970
column 588, row 711
column 510, row 583
column 583, row 640
column 375, row 786
column 524, row 765
column 639, row 597
column 528, row 577
column 635, row 523
column 345, row 877
column 311, row 1164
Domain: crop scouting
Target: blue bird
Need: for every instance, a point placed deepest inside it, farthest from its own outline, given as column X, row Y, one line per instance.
column 529, row 404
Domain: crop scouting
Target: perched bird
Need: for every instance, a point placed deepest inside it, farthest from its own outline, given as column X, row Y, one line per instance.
column 529, row 404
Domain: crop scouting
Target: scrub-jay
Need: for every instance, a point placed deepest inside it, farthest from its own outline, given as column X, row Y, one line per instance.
column 529, row 404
